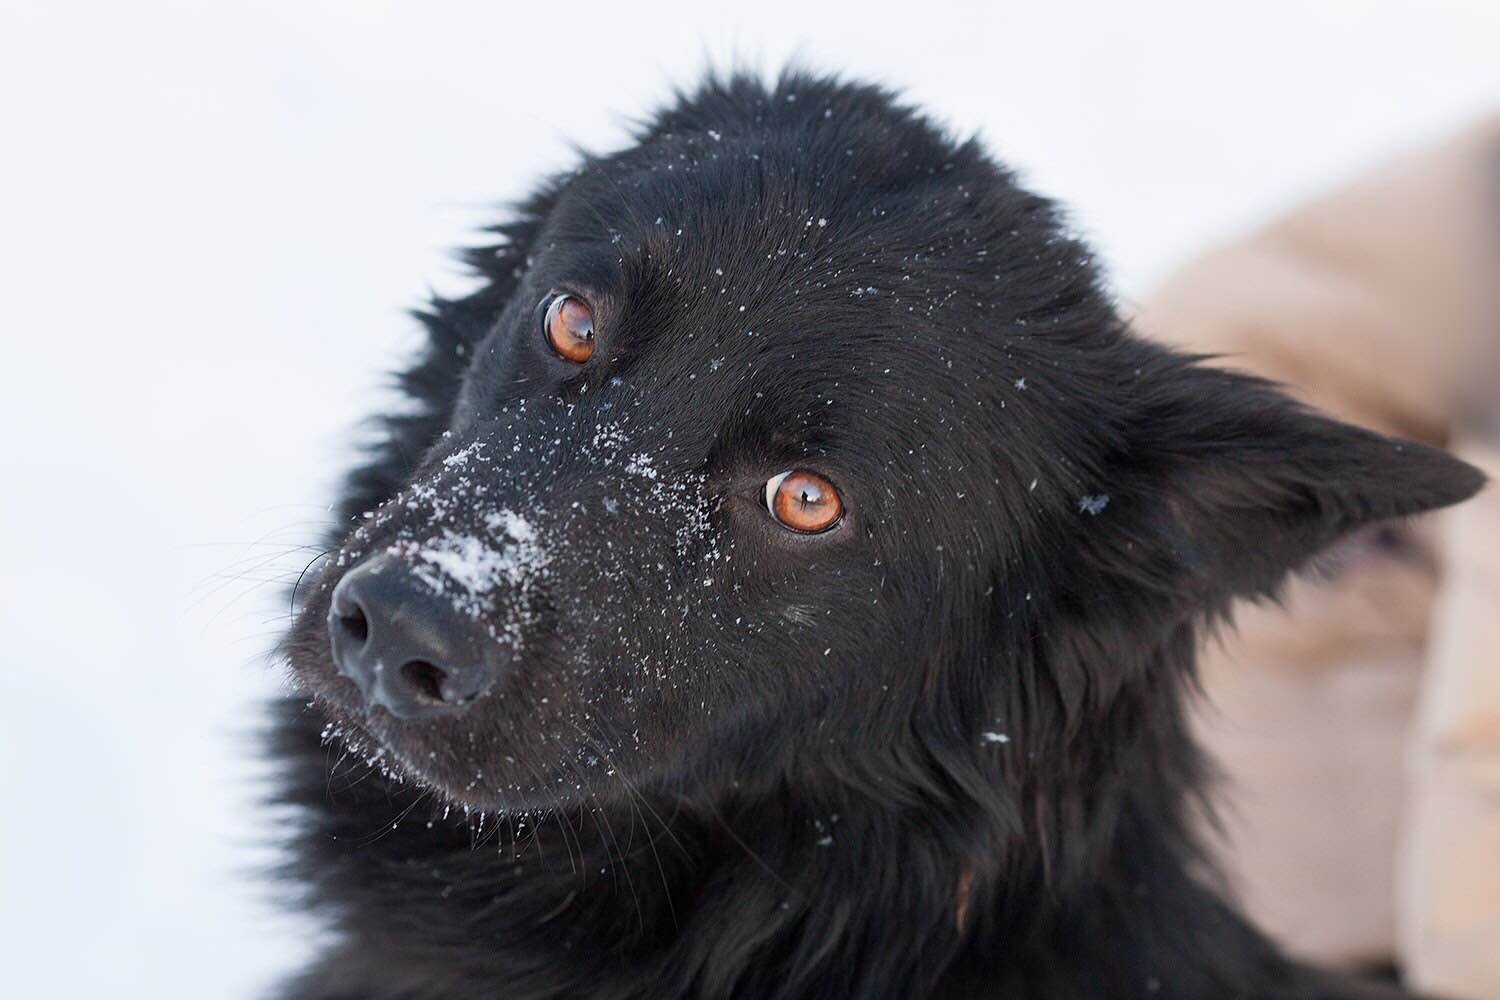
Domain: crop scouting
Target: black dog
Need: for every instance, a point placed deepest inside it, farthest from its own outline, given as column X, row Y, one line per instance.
column 788, row 585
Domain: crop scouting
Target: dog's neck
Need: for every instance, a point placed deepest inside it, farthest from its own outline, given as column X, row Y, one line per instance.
column 1050, row 865
column 755, row 898
column 779, row 896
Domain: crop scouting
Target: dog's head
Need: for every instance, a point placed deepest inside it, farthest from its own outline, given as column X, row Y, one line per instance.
column 783, row 434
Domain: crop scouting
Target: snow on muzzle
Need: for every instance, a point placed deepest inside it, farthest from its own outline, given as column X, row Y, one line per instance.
column 489, row 549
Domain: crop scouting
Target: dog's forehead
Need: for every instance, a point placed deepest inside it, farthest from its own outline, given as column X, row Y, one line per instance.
column 826, row 280
column 820, row 300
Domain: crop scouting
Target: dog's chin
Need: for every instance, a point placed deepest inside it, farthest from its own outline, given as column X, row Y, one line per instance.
column 401, row 754
column 419, row 754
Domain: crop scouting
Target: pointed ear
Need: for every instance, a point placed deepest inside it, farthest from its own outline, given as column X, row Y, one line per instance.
column 1246, row 485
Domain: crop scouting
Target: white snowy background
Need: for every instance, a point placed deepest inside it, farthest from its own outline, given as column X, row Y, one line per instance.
column 213, row 216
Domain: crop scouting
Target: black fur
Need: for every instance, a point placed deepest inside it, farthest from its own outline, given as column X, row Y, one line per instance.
column 938, row 751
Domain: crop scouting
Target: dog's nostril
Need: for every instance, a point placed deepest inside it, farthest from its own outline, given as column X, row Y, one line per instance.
column 426, row 679
column 354, row 625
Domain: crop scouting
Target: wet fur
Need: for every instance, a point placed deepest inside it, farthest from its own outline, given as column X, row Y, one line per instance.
column 830, row 824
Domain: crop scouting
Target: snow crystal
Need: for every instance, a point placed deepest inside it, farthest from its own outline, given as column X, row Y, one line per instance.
column 640, row 465
column 469, row 569
column 512, row 524
column 1093, row 505
column 463, row 559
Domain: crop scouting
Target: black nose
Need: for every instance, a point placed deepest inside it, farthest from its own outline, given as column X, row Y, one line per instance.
column 407, row 647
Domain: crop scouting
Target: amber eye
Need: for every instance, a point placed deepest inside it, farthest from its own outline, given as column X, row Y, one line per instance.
column 803, row 501
column 569, row 328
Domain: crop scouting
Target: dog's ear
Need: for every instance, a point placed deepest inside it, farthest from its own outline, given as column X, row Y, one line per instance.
column 1239, row 484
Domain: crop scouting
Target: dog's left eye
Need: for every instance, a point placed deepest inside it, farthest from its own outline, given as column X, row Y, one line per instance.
column 569, row 328
column 803, row 501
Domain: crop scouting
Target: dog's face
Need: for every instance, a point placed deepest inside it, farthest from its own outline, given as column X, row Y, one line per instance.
column 789, row 425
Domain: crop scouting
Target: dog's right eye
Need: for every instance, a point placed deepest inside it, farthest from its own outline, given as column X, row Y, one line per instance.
column 803, row 501
column 569, row 328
